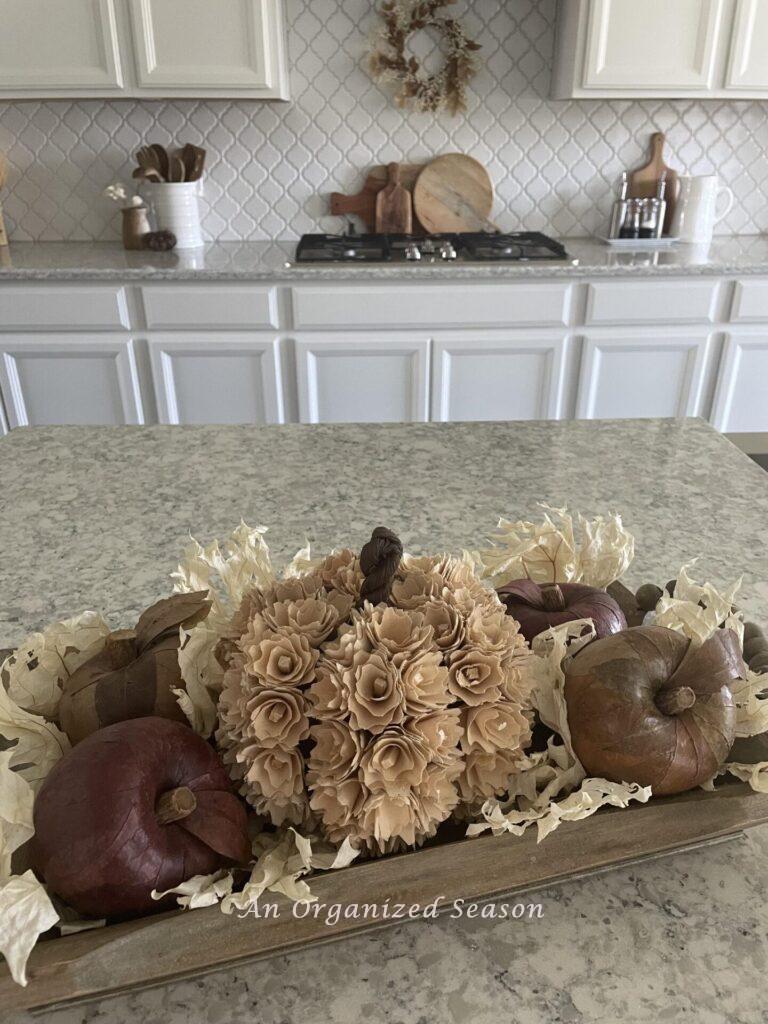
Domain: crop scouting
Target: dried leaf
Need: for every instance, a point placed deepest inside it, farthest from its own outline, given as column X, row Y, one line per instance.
column 751, row 696
column 16, row 800
column 25, row 913
column 36, row 672
column 39, row 744
column 200, row 891
column 165, row 617
column 548, row 552
column 697, row 611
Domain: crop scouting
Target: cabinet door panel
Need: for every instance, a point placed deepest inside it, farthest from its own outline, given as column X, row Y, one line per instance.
column 748, row 68
column 198, row 46
column 648, row 375
column 50, row 379
column 364, row 379
column 217, row 378
column 741, row 398
column 653, row 45
column 46, row 45
column 497, row 377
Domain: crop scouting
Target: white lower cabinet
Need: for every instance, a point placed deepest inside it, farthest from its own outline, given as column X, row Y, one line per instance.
column 741, row 398
column 65, row 379
column 217, row 378
column 642, row 374
column 497, row 375
column 363, row 378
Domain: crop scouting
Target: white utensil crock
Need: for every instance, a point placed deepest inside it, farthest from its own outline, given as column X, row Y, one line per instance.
column 177, row 209
column 696, row 213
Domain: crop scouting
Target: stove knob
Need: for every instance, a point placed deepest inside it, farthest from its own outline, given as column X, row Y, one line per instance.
column 428, row 246
column 412, row 252
column 350, row 254
column 447, row 251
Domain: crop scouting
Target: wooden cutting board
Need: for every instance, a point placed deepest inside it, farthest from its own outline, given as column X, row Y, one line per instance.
column 394, row 206
column 363, row 204
column 3, row 176
column 644, row 182
column 454, row 193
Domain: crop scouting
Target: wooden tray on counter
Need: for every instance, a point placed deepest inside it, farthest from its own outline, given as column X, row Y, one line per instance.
column 177, row 945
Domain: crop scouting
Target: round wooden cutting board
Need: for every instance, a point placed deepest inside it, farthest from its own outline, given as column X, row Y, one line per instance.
column 454, row 193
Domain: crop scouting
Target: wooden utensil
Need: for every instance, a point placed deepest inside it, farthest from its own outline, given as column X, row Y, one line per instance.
column 394, row 206
column 176, row 169
column 161, row 159
column 3, row 177
column 194, row 161
column 148, row 161
column 363, row 205
column 148, row 174
column 644, row 182
column 453, row 194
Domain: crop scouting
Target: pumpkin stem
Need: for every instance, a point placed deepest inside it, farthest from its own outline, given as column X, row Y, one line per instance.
column 175, row 804
column 552, row 597
column 379, row 561
column 672, row 702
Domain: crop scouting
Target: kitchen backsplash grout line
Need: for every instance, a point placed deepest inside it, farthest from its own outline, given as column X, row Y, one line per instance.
column 272, row 165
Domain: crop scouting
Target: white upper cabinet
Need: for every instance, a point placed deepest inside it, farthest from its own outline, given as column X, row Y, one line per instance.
column 626, row 48
column 59, row 47
column 211, row 47
column 748, row 66
column 152, row 48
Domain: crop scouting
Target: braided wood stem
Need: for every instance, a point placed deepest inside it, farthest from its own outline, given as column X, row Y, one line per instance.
column 379, row 561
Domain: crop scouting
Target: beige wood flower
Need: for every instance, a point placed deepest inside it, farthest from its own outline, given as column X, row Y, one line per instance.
column 313, row 617
column 341, row 571
column 489, row 628
column 475, row 676
column 341, row 808
column 441, row 731
column 415, row 589
column 485, row 775
column 282, row 659
column 437, row 796
column 328, row 695
column 278, row 717
column 395, row 761
column 495, row 727
column 425, row 683
column 397, row 631
column 375, row 693
column 447, row 624
column 277, row 780
column 387, row 816
column 336, row 753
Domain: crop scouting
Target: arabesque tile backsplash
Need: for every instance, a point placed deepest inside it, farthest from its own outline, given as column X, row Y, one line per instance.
column 272, row 165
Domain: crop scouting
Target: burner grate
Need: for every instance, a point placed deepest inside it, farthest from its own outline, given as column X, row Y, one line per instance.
column 515, row 247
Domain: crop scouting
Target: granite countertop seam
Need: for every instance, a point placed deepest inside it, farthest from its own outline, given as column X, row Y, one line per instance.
column 272, row 262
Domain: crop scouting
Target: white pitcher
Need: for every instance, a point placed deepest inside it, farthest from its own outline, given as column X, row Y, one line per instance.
column 177, row 209
column 696, row 213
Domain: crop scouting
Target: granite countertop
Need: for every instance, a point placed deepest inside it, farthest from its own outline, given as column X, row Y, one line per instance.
column 272, row 261
column 96, row 517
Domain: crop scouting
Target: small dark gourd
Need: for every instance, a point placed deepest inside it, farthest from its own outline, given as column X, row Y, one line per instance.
column 136, row 672
column 538, row 606
column 140, row 805
column 646, row 706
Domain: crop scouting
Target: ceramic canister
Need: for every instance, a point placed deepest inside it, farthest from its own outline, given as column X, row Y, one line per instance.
column 177, row 209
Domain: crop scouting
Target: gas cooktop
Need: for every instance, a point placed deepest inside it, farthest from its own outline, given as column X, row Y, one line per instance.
column 483, row 247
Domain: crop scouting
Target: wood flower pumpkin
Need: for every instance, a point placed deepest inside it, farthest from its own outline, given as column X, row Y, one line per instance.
column 646, row 706
column 140, row 805
column 539, row 606
column 136, row 672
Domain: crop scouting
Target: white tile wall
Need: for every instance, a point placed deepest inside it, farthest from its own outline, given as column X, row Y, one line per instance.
column 273, row 164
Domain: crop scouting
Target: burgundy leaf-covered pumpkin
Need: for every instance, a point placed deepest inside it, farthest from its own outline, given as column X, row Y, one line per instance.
column 140, row 805
column 647, row 706
column 539, row 606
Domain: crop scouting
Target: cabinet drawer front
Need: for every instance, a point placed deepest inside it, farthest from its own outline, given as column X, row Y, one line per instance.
column 750, row 301
column 72, row 306
column 636, row 302
column 433, row 306
column 210, row 306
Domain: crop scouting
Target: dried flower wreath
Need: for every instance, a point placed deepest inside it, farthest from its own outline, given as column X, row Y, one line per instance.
column 446, row 89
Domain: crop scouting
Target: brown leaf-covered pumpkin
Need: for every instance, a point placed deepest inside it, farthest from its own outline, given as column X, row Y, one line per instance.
column 537, row 607
column 133, row 676
column 647, row 706
column 141, row 805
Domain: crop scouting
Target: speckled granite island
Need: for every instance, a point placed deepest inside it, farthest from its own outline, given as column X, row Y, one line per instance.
column 97, row 518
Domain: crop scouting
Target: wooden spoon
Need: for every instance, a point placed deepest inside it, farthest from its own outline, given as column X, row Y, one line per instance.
column 176, row 170
column 148, row 174
column 162, row 159
column 194, row 161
